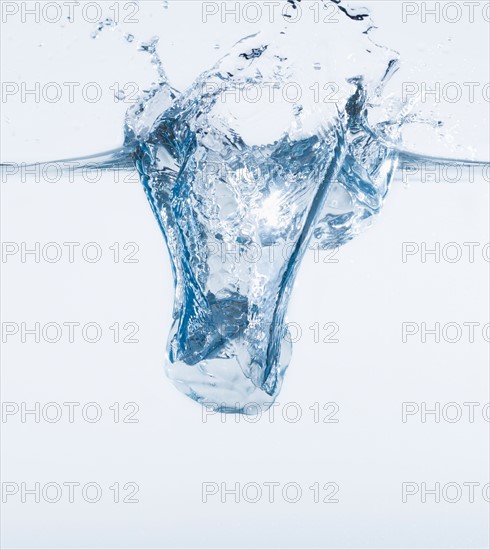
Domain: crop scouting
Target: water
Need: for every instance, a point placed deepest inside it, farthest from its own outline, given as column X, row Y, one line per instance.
column 232, row 169
column 242, row 178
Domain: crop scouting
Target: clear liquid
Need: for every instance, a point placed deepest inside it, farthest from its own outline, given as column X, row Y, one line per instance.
column 241, row 187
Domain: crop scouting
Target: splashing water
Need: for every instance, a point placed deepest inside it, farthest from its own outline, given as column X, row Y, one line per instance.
column 243, row 175
column 230, row 169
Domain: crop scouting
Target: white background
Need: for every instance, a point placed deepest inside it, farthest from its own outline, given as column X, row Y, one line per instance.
column 369, row 293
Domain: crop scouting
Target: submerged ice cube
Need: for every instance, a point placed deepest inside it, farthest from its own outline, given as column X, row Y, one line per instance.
column 240, row 174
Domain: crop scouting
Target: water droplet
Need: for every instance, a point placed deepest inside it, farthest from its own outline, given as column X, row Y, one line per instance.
column 129, row 37
column 317, row 66
column 120, row 95
column 150, row 46
column 297, row 109
column 217, row 46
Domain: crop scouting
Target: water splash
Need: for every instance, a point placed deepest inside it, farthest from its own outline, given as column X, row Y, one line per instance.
column 242, row 178
column 227, row 172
